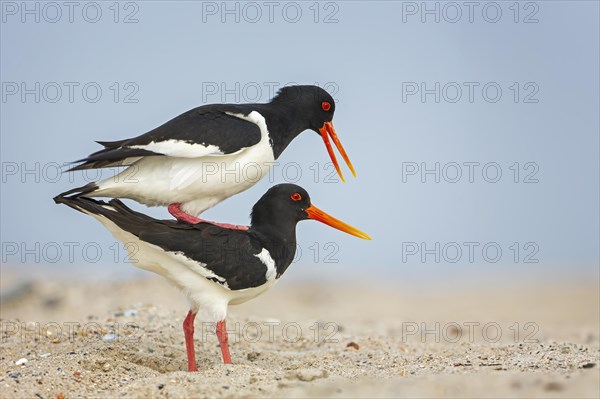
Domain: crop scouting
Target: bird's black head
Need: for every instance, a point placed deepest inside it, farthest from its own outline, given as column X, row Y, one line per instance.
column 310, row 104
column 284, row 205
column 310, row 107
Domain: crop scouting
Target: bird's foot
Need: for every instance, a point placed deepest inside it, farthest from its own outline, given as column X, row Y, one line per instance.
column 179, row 214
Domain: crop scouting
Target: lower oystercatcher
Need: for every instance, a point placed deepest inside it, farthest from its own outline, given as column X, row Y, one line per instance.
column 212, row 152
column 212, row 265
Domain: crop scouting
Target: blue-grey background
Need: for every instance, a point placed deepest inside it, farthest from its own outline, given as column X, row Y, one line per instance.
column 172, row 55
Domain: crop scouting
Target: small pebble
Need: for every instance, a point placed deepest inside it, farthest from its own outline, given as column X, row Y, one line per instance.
column 21, row 361
column 127, row 313
column 353, row 345
column 106, row 367
column 44, row 355
column 306, row 374
column 110, row 337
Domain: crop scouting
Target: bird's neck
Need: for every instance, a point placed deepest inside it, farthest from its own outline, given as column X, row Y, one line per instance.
column 280, row 241
column 284, row 125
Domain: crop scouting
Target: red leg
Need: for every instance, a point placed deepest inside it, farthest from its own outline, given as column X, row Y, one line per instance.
column 175, row 210
column 223, row 341
column 188, row 331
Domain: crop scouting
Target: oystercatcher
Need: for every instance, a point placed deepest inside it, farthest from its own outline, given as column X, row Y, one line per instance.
column 212, row 265
column 212, row 152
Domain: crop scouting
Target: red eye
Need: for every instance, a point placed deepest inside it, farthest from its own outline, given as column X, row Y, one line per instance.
column 296, row 197
column 326, row 106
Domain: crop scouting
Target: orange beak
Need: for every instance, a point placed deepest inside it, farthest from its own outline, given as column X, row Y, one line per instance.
column 326, row 131
column 317, row 214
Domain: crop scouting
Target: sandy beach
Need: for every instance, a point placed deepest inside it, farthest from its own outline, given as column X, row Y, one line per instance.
column 302, row 339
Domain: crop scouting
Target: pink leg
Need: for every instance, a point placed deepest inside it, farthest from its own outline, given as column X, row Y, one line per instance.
column 223, row 341
column 188, row 331
column 175, row 210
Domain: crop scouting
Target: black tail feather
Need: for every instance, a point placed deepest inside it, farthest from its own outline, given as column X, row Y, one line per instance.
column 97, row 207
column 112, row 144
column 127, row 219
column 79, row 191
column 110, row 156
column 114, row 210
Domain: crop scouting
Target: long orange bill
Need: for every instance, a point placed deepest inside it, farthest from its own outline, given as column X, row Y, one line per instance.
column 326, row 131
column 317, row 214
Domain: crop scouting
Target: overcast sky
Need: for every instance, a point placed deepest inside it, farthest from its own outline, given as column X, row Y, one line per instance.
column 474, row 129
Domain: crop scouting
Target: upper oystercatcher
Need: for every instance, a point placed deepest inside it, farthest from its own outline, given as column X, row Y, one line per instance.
column 212, row 152
column 212, row 265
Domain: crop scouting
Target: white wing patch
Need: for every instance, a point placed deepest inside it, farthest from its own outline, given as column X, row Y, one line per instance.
column 265, row 258
column 179, row 148
column 256, row 118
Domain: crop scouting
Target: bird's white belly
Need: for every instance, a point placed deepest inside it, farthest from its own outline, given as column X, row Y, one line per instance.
column 196, row 183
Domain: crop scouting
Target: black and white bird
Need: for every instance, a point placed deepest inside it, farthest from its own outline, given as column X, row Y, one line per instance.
column 214, row 266
column 212, row 152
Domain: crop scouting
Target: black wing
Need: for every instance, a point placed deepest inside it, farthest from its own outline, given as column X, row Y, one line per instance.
column 229, row 255
column 206, row 130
